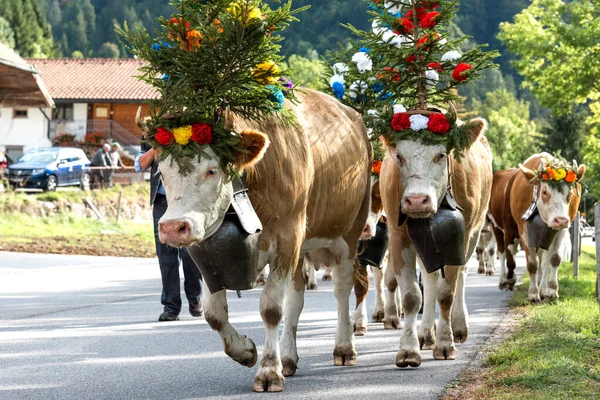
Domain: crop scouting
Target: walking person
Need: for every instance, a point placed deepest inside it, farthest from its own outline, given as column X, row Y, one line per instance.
column 116, row 162
column 102, row 158
column 169, row 258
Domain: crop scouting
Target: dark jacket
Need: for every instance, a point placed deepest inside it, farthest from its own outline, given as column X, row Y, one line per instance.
column 154, row 175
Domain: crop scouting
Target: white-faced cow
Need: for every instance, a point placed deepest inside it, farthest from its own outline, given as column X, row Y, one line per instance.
column 486, row 250
column 414, row 180
column 557, row 204
column 309, row 184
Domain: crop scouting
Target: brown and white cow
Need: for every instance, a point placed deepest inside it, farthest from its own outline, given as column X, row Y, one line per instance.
column 486, row 250
column 310, row 189
column 414, row 180
column 512, row 194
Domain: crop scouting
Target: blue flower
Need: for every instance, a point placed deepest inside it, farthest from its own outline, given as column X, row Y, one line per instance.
column 165, row 77
column 338, row 89
column 384, row 96
column 276, row 96
column 364, row 49
column 160, row 46
column 377, row 87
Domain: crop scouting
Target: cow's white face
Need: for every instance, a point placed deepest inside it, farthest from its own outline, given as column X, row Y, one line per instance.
column 553, row 205
column 424, row 176
column 198, row 201
column 375, row 212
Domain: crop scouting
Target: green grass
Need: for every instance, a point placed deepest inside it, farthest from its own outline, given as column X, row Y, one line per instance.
column 555, row 351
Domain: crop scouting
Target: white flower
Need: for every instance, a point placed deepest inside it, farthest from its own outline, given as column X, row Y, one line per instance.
column 451, row 55
column 391, row 38
column 336, row 78
column 418, row 122
column 340, row 69
column 363, row 61
column 377, row 28
column 373, row 113
column 442, row 41
column 432, row 78
column 391, row 7
column 357, row 88
column 399, row 108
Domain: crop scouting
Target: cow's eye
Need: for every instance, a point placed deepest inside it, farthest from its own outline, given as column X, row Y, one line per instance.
column 440, row 157
column 211, row 172
column 400, row 159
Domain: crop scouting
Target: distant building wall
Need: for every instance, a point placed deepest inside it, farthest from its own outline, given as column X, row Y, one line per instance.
column 19, row 134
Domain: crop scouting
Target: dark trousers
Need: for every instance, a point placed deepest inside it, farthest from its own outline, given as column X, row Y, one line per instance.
column 169, row 259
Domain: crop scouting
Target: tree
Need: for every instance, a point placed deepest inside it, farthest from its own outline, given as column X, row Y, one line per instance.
column 7, row 36
column 512, row 135
column 306, row 72
column 32, row 34
column 109, row 50
column 565, row 133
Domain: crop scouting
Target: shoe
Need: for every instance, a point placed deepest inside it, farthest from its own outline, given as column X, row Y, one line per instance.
column 168, row 316
column 196, row 310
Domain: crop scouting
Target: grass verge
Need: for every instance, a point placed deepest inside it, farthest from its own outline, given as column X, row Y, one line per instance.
column 554, row 350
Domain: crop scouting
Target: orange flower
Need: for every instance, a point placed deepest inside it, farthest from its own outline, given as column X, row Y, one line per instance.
column 217, row 23
column 376, row 167
column 571, row 176
column 550, row 172
column 194, row 38
column 545, row 176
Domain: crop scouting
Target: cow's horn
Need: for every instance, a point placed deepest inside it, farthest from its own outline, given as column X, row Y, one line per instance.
column 139, row 121
column 228, row 119
column 453, row 111
column 575, row 166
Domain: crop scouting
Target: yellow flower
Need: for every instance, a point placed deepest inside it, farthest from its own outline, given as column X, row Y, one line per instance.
column 183, row 134
column 264, row 72
column 236, row 11
column 559, row 174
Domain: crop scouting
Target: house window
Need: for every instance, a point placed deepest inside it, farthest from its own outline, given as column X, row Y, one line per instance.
column 101, row 112
column 14, row 152
column 63, row 112
column 20, row 113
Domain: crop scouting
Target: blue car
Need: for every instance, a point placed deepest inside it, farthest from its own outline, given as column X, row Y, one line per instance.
column 50, row 167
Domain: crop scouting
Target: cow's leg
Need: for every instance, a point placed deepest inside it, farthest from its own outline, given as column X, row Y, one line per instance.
column 427, row 328
column 551, row 260
column 378, row 310
column 532, row 267
column 404, row 262
column 391, row 319
column 491, row 258
column 327, row 274
column 269, row 376
column 294, row 302
column 480, row 252
column 262, row 277
column 344, row 352
column 237, row 346
column 508, row 283
column 312, row 275
column 444, row 341
column 460, row 315
column 361, row 287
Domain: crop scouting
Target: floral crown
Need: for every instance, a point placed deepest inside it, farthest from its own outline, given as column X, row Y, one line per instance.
column 408, row 62
column 556, row 171
column 212, row 56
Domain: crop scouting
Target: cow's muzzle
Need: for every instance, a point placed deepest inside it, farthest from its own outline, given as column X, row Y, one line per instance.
column 176, row 233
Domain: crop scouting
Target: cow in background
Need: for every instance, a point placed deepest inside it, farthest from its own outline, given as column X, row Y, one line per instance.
column 486, row 249
column 512, row 194
column 414, row 180
column 309, row 183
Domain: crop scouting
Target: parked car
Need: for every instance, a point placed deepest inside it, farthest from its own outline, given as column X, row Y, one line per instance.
column 586, row 230
column 50, row 167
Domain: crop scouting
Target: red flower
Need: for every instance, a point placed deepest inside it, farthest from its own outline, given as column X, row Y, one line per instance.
column 436, row 66
column 459, row 72
column 179, row 21
column 401, row 121
column 163, row 136
column 412, row 58
column 201, row 133
column 421, row 13
column 438, row 123
column 570, row 176
column 424, row 42
column 389, row 74
column 430, row 20
column 376, row 167
column 406, row 25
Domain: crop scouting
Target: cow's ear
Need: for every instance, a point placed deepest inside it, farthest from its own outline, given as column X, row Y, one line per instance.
column 529, row 174
column 475, row 128
column 251, row 148
column 581, row 172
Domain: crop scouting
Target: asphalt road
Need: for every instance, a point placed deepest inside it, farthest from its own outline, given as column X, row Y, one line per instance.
column 81, row 327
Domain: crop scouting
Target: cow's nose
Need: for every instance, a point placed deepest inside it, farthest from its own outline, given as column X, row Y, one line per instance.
column 174, row 232
column 560, row 223
column 367, row 232
column 417, row 203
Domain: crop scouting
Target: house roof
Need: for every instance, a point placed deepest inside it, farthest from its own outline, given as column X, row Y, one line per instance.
column 98, row 79
column 20, row 84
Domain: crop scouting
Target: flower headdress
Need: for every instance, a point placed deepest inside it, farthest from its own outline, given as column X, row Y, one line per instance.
column 211, row 56
column 408, row 62
column 557, row 171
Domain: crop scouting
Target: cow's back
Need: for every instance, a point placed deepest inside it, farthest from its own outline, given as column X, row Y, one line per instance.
column 316, row 171
column 501, row 197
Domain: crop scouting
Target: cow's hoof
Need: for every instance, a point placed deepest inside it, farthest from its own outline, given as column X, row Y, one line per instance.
column 480, row 270
column 311, row 285
column 378, row 316
column 246, row 355
column 344, row 356
column 360, row 330
column 426, row 339
column 460, row 335
column 289, row 366
column 444, row 352
column 490, row 272
column 260, row 282
column 408, row 358
column 549, row 295
column 326, row 277
column 507, row 284
column 268, row 380
column 392, row 323
column 533, row 298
